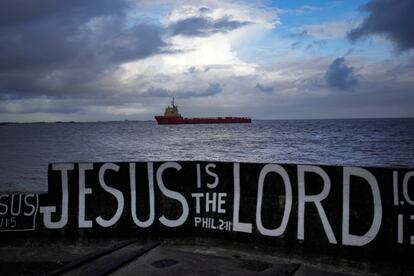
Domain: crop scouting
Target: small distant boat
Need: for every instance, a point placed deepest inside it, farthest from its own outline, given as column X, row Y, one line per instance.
column 172, row 116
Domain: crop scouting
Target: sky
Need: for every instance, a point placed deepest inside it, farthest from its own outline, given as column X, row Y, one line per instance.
column 107, row 60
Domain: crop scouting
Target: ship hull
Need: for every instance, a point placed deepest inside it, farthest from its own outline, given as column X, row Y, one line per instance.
column 167, row 120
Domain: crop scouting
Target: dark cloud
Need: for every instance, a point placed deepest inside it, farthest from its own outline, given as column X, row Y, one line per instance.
column 205, row 26
column 318, row 43
column 196, row 70
column 192, row 70
column 212, row 89
column 15, row 12
column 295, row 45
column 298, row 33
column 264, row 88
column 390, row 18
column 40, row 106
column 341, row 76
column 59, row 48
column 65, row 49
column 204, row 10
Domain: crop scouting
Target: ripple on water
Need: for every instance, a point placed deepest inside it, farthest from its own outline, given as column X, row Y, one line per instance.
column 27, row 149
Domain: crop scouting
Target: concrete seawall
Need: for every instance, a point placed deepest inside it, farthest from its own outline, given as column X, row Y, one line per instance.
column 355, row 213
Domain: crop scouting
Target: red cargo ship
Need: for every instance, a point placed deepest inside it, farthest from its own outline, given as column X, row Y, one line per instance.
column 171, row 116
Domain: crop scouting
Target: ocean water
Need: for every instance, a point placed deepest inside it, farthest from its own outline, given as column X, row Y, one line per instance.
column 27, row 149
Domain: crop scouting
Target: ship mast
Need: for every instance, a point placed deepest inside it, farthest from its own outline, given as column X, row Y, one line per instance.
column 172, row 111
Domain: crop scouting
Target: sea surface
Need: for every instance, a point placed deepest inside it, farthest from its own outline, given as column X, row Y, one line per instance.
column 27, row 149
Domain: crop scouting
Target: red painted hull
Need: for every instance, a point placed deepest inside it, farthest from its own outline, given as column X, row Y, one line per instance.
column 164, row 120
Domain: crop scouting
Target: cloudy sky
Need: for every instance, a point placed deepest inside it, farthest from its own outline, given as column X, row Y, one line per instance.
column 285, row 59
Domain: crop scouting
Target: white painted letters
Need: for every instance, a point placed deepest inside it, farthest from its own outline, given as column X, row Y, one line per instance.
column 237, row 225
column 316, row 199
column 48, row 210
column 83, row 191
column 116, row 193
column 172, row 194
column 213, row 174
column 355, row 240
column 288, row 200
column 150, row 220
column 405, row 187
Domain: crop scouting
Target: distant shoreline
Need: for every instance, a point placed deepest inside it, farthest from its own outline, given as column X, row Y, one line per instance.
column 129, row 121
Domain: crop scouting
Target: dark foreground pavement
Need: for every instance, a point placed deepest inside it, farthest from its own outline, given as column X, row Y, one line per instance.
column 178, row 257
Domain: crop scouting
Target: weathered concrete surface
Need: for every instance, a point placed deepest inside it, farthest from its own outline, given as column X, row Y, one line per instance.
column 167, row 260
column 29, row 257
column 169, row 257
